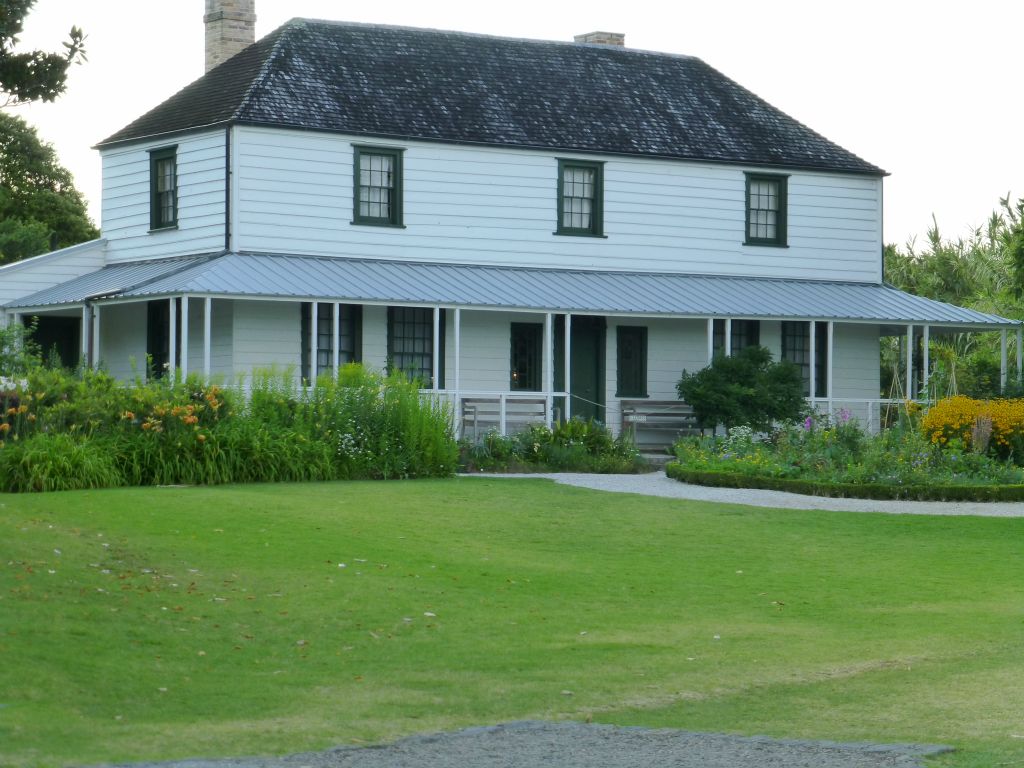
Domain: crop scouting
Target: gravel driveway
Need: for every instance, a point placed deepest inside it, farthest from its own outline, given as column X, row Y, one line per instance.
column 576, row 745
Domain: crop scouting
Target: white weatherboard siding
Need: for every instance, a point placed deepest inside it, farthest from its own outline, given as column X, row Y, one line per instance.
column 486, row 349
column 123, row 339
column 375, row 337
column 26, row 277
column 266, row 334
column 201, row 199
column 221, row 338
column 485, row 205
column 856, row 368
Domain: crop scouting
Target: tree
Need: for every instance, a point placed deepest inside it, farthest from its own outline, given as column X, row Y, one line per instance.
column 984, row 271
column 745, row 388
column 40, row 209
column 33, row 75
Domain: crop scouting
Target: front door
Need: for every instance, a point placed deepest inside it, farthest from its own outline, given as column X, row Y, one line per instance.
column 586, row 380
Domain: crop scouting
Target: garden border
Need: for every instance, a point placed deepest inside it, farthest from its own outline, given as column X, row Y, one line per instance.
column 725, row 479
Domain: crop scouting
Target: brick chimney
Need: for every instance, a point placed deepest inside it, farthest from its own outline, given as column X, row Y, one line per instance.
column 602, row 38
column 230, row 27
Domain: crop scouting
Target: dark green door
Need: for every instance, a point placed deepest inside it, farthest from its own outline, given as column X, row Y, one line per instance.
column 586, row 381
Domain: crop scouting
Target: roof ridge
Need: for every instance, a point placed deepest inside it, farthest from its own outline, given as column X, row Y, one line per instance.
column 618, row 49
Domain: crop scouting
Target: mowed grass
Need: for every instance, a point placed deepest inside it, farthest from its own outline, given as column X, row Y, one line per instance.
column 184, row 622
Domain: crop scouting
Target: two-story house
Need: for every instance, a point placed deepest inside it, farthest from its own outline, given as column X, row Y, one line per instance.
column 575, row 223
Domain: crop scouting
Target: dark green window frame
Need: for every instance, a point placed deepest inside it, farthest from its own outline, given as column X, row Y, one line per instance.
column 580, row 198
column 411, row 344
column 163, row 188
column 350, row 325
column 796, row 346
column 766, row 204
column 158, row 336
column 526, row 357
column 377, row 187
column 743, row 334
column 631, row 361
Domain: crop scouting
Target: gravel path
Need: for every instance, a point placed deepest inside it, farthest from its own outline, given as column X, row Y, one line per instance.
column 657, row 484
column 575, row 745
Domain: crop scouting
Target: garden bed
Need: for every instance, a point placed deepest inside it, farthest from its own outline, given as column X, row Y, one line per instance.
column 958, row 450
column 727, row 479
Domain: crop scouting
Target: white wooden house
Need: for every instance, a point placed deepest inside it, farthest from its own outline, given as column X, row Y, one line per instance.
column 570, row 225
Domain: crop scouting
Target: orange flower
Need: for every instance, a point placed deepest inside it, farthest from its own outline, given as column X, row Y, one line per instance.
column 4, row 428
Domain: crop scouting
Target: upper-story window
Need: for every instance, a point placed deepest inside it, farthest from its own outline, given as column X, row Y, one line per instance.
column 580, row 198
column 163, row 188
column 766, row 209
column 378, row 186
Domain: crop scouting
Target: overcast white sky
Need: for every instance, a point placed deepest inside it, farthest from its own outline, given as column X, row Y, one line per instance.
column 927, row 90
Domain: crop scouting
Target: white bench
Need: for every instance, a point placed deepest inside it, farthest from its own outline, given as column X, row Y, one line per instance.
column 656, row 424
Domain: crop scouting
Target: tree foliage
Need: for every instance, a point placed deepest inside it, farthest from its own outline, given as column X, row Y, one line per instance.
column 40, row 209
column 745, row 388
column 983, row 271
column 33, row 75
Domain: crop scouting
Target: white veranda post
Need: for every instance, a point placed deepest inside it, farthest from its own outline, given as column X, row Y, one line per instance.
column 711, row 339
column 926, row 362
column 172, row 337
column 910, row 362
column 549, row 364
column 207, row 335
column 812, row 358
column 435, row 371
column 314, row 328
column 1002, row 360
column 567, row 364
column 95, row 336
column 184, row 337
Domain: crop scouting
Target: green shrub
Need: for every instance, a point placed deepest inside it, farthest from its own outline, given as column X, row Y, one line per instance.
column 573, row 446
column 744, row 389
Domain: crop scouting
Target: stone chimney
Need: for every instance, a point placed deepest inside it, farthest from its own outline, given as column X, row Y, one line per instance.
column 230, row 27
column 602, row 38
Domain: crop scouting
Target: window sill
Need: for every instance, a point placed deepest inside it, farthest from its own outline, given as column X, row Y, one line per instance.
column 631, row 397
column 579, row 234
column 766, row 244
column 383, row 224
column 168, row 228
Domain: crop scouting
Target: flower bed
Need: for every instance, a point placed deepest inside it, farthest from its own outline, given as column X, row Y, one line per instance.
column 61, row 431
column 917, row 458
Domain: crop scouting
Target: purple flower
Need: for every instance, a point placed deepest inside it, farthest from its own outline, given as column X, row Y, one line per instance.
column 808, row 424
column 844, row 415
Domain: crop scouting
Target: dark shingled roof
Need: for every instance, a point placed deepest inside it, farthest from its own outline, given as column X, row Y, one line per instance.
column 406, row 83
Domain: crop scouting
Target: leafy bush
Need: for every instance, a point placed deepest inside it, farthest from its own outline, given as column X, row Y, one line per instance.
column 186, row 432
column 572, row 446
column 744, row 389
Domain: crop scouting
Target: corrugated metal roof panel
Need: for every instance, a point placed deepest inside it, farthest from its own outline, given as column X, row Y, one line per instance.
column 459, row 285
column 112, row 280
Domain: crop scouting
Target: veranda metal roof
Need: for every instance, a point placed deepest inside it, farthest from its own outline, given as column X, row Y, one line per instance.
column 303, row 278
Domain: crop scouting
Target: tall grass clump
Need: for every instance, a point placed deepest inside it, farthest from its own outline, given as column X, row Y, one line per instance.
column 61, row 429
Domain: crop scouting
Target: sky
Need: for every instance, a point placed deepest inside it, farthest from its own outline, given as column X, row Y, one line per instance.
column 925, row 90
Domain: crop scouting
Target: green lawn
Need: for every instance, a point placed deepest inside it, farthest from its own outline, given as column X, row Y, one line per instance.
column 168, row 623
